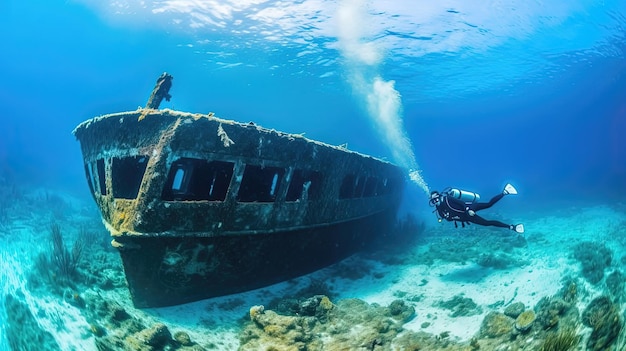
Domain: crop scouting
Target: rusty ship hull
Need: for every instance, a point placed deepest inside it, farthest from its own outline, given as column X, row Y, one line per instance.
column 200, row 206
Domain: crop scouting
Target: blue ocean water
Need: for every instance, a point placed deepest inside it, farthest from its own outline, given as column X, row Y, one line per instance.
column 474, row 96
column 534, row 97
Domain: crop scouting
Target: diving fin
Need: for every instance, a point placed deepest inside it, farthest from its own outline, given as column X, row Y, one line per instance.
column 510, row 190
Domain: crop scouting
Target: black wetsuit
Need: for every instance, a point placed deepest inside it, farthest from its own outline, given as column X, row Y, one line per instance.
column 456, row 210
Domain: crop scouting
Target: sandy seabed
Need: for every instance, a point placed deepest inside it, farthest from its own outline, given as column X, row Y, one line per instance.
column 452, row 278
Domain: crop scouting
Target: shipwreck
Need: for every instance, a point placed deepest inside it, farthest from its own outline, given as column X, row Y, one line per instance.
column 200, row 206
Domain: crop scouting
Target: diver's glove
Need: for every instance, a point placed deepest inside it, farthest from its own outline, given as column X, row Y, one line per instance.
column 471, row 212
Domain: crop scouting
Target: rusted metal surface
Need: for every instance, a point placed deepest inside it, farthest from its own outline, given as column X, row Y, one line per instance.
column 180, row 248
column 161, row 91
column 164, row 136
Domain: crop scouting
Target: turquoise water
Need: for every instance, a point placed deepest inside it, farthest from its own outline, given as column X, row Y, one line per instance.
column 469, row 95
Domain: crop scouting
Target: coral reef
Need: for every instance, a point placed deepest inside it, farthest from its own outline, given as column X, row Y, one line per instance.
column 310, row 319
column 115, row 328
column 594, row 259
column 570, row 291
column 551, row 325
column 280, row 332
column 298, row 304
column 153, row 338
column 495, row 325
column 399, row 310
column 602, row 315
column 550, row 310
column 461, row 306
column 515, row 309
column 471, row 247
column 183, row 338
column 525, row 320
column 350, row 324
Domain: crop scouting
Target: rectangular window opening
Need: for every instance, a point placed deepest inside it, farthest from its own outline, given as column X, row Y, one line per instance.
column 260, row 184
column 360, row 185
column 192, row 179
column 177, row 182
column 304, row 185
column 126, row 175
column 347, row 187
column 370, row 187
column 102, row 182
column 383, row 187
column 90, row 178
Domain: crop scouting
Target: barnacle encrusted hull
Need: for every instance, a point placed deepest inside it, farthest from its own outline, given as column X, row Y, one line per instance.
column 201, row 206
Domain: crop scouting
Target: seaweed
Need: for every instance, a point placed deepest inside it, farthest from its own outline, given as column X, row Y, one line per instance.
column 563, row 340
column 603, row 317
column 60, row 264
column 62, row 258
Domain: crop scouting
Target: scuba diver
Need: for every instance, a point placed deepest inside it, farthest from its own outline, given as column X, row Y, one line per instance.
column 461, row 206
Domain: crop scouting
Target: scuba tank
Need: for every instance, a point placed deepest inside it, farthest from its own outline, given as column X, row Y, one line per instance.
column 463, row 195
